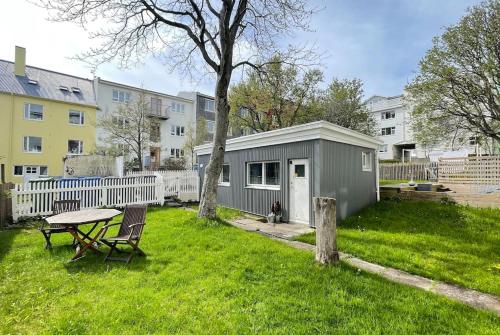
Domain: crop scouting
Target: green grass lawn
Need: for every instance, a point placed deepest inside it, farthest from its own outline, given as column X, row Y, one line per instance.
column 452, row 243
column 204, row 277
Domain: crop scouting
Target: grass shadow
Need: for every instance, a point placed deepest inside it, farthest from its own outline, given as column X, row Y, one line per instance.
column 7, row 237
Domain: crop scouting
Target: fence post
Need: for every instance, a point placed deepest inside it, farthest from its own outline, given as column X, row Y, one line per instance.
column 15, row 209
column 325, row 218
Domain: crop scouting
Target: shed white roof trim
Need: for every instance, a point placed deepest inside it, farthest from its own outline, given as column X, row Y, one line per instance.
column 304, row 132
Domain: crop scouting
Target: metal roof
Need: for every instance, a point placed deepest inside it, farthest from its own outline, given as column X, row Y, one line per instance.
column 47, row 85
column 304, row 132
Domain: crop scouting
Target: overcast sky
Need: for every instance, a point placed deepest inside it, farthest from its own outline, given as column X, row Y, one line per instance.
column 378, row 41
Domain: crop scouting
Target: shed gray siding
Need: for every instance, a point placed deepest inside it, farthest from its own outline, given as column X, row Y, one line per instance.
column 259, row 201
column 335, row 171
column 342, row 177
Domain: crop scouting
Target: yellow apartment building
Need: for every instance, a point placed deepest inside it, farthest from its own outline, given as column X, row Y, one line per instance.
column 44, row 117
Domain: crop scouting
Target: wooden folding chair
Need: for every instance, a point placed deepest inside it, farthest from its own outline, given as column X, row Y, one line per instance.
column 58, row 207
column 130, row 233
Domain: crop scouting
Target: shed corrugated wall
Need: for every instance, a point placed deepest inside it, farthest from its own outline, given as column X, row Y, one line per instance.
column 335, row 172
column 343, row 178
column 259, row 201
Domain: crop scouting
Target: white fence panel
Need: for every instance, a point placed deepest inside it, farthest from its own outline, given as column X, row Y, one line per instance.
column 36, row 197
column 470, row 170
column 183, row 184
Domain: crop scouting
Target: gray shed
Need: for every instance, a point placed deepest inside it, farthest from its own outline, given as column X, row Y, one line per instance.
column 293, row 165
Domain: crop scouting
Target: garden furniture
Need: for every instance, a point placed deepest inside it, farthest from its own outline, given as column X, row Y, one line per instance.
column 130, row 233
column 72, row 221
column 58, row 207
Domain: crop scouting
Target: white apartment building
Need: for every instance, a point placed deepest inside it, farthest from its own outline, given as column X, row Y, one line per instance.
column 393, row 118
column 174, row 114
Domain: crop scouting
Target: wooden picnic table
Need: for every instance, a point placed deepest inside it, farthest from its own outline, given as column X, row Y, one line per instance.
column 73, row 220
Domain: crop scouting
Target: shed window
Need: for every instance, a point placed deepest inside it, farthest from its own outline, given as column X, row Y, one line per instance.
column 300, row 170
column 366, row 159
column 263, row 174
column 225, row 175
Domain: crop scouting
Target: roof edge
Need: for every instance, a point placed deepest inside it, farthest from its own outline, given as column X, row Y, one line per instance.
column 309, row 131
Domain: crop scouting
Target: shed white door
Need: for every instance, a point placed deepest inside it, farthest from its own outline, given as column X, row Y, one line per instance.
column 299, row 191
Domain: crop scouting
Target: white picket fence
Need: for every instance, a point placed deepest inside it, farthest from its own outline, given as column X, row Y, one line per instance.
column 182, row 184
column 36, row 197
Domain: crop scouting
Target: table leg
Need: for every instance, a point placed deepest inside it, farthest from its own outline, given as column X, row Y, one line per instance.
column 74, row 231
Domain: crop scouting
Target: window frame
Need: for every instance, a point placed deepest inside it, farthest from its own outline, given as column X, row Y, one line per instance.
column 364, row 165
column 209, row 102
column 392, row 131
column 385, row 146
column 213, row 127
column 221, row 179
column 82, row 117
column 177, row 107
column 25, row 148
column 392, row 115
column 14, row 171
column 26, row 113
column 80, row 148
column 264, row 184
column 125, row 95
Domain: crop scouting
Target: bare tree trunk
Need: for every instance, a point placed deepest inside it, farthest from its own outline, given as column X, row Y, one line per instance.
column 325, row 217
column 208, row 202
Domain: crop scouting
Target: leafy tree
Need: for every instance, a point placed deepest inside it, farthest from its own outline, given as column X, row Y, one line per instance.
column 192, row 34
column 276, row 97
column 195, row 138
column 342, row 104
column 459, row 78
column 131, row 126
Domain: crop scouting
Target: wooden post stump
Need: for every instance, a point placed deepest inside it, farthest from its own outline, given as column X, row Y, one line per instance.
column 325, row 218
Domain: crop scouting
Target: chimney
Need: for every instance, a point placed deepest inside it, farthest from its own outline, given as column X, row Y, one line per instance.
column 20, row 62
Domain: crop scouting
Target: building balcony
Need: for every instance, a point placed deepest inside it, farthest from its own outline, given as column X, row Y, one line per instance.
column 161, row 114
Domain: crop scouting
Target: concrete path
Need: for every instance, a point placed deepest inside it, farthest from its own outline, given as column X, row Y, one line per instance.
column 285, row 232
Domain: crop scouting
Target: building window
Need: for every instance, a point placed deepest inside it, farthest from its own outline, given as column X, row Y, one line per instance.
column 18, row 170
column 209, row 105
column 388, row 131
column 176, row 153
column 156, row 106
column 388, row 115
column 177, row 107
column 176, row 130
column 76, row 117
column 473, row 140
column 225, row 175
column 382, row 148
column 44, row 170
column 366, row 161
column 263, row 174
column 33, row 112
column 121, row 96
column 32, row 144
column 211, row 127
column 30, row 169
column 75, row 147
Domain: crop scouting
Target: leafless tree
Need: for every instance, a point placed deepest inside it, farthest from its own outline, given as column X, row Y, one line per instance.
column 219, row 35
column 132, row 127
